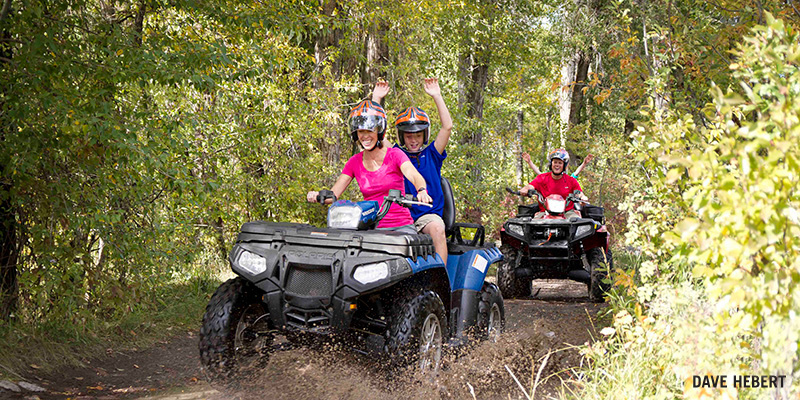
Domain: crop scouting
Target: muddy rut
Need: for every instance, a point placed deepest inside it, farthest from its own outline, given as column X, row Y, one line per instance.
column 558, row 317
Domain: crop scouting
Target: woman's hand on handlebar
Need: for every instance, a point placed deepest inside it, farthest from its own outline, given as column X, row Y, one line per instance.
column 524, row 191
column 424, row 197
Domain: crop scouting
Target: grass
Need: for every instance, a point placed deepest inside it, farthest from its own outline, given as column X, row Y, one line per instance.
column 175, row 308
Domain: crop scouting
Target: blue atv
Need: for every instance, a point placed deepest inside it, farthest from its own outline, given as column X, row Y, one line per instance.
column 382, row 291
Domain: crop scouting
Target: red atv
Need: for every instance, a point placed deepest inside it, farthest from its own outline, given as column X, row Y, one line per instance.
column 553, row 247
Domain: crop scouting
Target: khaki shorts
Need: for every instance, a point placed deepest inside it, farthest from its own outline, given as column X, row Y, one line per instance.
column 426, row 219
column 407, row 229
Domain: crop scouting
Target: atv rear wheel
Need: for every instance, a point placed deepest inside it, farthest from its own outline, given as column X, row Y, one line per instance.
column 417, row 331
column 600, row 264
column 510, row 285
column 491, row 313
column 235, row 332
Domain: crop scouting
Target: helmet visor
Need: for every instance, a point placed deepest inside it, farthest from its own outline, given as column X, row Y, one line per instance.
column 415, row 127
column 367, row 122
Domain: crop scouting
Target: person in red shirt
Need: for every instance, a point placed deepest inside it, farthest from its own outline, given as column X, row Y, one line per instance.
column 555, row 182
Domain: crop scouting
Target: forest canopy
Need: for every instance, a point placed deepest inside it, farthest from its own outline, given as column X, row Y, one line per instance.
column 136, row 137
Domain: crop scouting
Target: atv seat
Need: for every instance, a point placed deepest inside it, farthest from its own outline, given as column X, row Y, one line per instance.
column 452, row 229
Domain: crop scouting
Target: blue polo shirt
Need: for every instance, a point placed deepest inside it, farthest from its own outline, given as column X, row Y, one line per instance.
column 429, row 164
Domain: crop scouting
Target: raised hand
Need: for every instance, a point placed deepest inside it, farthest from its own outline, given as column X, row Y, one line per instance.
column 431, row 86
column 526, row 157
column 380, row 91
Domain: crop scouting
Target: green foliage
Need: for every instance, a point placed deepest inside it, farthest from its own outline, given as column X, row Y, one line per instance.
column 718, row 228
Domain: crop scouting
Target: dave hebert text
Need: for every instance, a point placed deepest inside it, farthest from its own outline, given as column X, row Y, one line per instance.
column 738, row 381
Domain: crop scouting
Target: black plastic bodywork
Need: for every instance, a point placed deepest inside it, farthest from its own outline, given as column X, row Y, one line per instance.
column 308, row 283
column 549, row 248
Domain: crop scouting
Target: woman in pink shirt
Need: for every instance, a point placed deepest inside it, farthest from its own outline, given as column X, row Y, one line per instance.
column 377, row 169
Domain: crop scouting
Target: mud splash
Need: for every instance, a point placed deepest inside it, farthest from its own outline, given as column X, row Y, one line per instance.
column 332, row 372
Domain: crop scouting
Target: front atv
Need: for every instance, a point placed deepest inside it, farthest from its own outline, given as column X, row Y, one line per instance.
column 382, row 291
column 554, row 248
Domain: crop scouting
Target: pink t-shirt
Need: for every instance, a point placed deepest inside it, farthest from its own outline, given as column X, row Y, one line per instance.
column 375, row 185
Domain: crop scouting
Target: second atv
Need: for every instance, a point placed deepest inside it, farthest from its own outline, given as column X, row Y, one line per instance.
column 553, row 247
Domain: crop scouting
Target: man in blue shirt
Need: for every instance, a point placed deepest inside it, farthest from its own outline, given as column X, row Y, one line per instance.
column 413, row 126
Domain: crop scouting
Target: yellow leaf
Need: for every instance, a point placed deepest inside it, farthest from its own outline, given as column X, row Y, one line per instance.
column 688, row 225
column 673, row 175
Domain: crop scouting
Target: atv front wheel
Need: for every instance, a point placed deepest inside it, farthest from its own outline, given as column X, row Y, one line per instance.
column 491, row 313
column 600, row 266
column 235, row 332
column 511, row 286
column 417, row 331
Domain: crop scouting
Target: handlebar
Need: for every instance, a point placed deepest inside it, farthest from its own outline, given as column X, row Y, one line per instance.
column 394, row 196
column 325, row 195
column 531, row 193
column 574, row 197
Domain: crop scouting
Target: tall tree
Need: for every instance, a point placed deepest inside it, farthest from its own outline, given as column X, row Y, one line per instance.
column 8, row 215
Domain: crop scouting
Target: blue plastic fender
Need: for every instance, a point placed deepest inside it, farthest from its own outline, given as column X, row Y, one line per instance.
column 422, row 264
column 468, row 270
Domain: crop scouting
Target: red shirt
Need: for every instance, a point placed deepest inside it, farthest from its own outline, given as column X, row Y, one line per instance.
column 546, row 185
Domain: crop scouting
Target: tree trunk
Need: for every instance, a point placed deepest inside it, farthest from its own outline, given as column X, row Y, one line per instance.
column 219, row 227
column 9, row 248
column 9, row 285
column 576, row 105
column 377, row 55
column 547, row 137
column 138, row 25
column 518, row 147
column 332, row 143
column 568, row 70
column 476, row 71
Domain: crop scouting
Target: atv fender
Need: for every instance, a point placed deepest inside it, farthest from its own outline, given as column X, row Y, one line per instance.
column 467, row 273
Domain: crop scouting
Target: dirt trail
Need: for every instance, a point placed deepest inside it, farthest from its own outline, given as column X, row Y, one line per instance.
column 554, row 319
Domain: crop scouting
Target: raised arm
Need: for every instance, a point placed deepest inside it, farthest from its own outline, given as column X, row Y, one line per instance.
column 527, row 158
column 338, row 188
column 380, row 91
column 432, row 89
column 417, row 180
column 586, row 161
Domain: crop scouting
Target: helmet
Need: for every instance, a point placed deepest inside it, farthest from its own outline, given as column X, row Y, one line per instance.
column 560, row 154
column 412, row 119
column 367, row 115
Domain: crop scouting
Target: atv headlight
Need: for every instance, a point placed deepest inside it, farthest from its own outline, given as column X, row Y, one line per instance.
column 371, row 273
column 344, row 217
column 583, row 230
column 556, row 206
column 516, row 229
column 252, row 263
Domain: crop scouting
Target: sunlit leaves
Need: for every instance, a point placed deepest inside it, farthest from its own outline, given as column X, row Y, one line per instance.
column 734, row 219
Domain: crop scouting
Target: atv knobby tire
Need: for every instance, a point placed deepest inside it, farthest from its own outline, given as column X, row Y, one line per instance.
column 600, row 265
column 417, row 331
column 511, row 287
column 491, row 313
column 235, row 332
